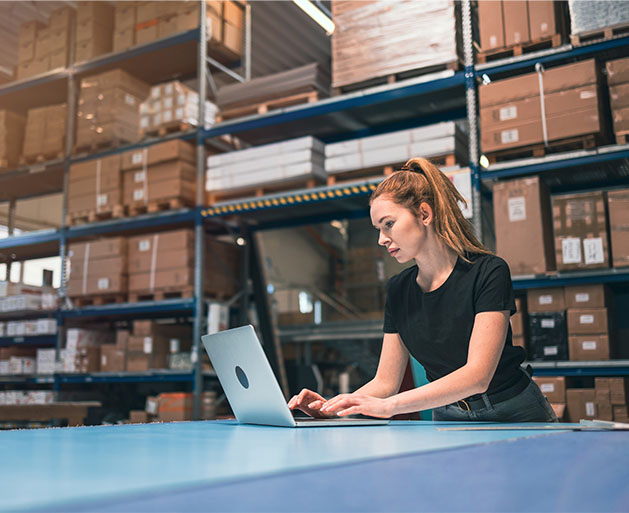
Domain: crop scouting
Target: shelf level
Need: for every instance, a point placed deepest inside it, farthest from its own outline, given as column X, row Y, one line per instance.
column 29, row 340
column 126, row 377
column 37, row 244
column 561, row 279
column 596, row 368
column 142, row 309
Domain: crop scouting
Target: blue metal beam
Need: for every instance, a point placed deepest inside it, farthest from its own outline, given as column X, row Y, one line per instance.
column 22, row 85
column 142, row 309
column 30, row 340
column 575, row 278
column 582, row 371
column 30, row 239
column 123, row 377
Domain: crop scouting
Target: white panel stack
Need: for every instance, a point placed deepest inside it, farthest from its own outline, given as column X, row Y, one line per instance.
column 301, row 158
column 46, row 361
column 589, row 16
column 397, row 147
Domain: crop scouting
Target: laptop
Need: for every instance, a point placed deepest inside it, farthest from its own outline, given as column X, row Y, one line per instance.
column 251, row 387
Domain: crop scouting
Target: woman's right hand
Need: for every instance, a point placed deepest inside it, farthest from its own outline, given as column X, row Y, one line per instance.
column 309, row 402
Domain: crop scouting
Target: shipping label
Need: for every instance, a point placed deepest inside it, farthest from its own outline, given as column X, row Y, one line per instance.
column 547, row 388
column 571, row 250
column 546, row 299
column 138, row 194
column 144, row 245
column 517, row 209
column 548, row 323
column 589, row 409
column 586, row 319
column 551, row 351
column 148, row 345
column 137, row 158
column 103, row 283
column 510, row 112
column 582, row 297
column 593, row 249
column 588, row 345
column 509, row 136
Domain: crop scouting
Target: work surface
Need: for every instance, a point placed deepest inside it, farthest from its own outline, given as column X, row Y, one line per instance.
column 224, row 466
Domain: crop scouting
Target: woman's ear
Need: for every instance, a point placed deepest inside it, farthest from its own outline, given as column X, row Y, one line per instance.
column 425, row 214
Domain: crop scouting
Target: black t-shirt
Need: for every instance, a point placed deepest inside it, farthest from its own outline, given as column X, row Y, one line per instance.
column 436, row 326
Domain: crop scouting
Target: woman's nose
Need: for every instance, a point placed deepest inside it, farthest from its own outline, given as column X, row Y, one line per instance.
column 382, row 239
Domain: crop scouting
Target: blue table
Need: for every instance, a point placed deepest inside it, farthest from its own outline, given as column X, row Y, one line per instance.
column 224, row 466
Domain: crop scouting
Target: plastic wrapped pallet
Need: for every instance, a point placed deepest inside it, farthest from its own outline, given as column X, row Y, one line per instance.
column 301, row 158
column 589, row 16
column 397, row 147
column 362, row 48
column 173, row 104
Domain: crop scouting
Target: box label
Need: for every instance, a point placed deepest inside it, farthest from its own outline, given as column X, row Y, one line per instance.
column 138, row 194
column 589, row 409
column 137, row 158
column 144, row 245
column 546, row 299
column 586, row 319
column 493, row 41
column 551, row 351
column 129, row 100
column 587, row 95
column 582, row 297
column 144, row 122
column 509, row 136
column 517, row 209
column 571, row 250
column 547, row 388
column 155, row 92
column 101, row 200
column 148, row 345
column 139, row 176
column 169, row 89
column 510, row 112
column 588, row 345
column 548, row 323
column 174, row 345
column 168, row 102
column 593, row 249
column 103, row 283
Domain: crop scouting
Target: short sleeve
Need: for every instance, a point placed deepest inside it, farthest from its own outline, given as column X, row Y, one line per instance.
column 494, row 290
column 389, row 321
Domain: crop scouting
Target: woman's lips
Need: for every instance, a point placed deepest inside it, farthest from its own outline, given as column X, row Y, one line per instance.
column 392, row 252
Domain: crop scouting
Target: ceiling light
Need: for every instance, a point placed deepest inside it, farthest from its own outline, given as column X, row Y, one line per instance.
column 316, row 14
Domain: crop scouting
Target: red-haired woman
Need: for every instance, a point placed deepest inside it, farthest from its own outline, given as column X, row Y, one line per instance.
column 450, row 311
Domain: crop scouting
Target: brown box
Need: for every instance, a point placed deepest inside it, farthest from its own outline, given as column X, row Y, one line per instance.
column 61, row 19
column 621, row 120
column 146, row 32
column 122, row 339
column 88, row 359
column 619, row 96
column 123, row 39
column 102, row 248
column 90, row 29
column 545, row 300
column 516, row 22
column 542, row 22
column 147, row 11
column 59, row 59
column 175, row 407
column 91, row 48
column 138, row 417
column 589, row 347
column 154, row 329
column 618, row 203
column 102, row 12
column 581, row 404
column 98, row 284
column 587, row 296
column 617, row 71
column 173, row 240
column 517, row 326
column 142, row 362
column 157, row 153
column 26, row 52
column 618, row 391
column 580, row 223
column 620, row 414
column 233, row 14
column 588, row 321
column 112, row 358
column 125, row 16
column 28, row 31
column 42, row 43
column 232, row 38
column 604, row 410
column 553, row 388
column 523, row 225
column 167, row 26
column 12, row 127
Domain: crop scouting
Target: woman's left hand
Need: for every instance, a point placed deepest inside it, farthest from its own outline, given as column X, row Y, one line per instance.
column 354, row 404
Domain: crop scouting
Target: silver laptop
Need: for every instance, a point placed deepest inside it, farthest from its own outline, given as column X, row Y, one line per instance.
column 251, row 387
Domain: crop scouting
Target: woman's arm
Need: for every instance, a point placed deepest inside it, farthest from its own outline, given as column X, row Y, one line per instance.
column 486, row 344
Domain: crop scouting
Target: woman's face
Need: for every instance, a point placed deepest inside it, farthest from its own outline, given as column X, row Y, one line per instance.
column 401, row 231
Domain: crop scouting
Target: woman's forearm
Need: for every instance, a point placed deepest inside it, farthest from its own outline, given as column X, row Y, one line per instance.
column 377, row 388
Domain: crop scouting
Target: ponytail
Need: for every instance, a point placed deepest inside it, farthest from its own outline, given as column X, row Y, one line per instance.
column 419, row 181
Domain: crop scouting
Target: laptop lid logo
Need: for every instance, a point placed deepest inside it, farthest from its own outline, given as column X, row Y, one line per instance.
column 242, row 377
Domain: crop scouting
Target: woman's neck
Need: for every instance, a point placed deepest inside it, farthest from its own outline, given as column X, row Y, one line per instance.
column 435, row 266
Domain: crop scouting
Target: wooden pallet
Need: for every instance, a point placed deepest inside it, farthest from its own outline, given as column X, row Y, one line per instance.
column 213, row 197
column 268, row 105
column 99, row 299
column 161, row 294
column 519, row 49
column 158, row 206
column 42, row 157
column 622, row 138
column 92, row 216
column 604, row 34
column 100, row 146
column 392, row 78
column 169, row 128
column 583, row 142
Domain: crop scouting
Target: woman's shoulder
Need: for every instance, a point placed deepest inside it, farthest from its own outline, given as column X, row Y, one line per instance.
column 402, row 277
column 487, row 262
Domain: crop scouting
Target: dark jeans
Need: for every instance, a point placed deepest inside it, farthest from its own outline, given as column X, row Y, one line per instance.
column 528, row 406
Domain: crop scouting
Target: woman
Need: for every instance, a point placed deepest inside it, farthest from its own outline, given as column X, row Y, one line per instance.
column 450, row 311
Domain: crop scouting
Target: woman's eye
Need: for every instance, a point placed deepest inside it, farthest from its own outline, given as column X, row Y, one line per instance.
column 389, row 224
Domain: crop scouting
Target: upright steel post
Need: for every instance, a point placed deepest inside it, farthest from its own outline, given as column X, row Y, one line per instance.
column 199, row 239
column 247, row 45
column 472, row 115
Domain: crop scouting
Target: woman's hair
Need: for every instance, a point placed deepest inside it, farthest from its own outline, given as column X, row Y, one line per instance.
column 419, row 181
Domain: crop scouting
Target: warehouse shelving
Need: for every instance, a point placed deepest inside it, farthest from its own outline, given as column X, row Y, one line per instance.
column 597, row 368
column 29, row 340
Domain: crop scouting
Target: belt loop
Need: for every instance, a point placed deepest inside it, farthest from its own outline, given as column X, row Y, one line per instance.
column 487, row 402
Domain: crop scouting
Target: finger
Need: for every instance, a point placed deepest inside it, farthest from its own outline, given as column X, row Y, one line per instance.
column 339, row 405
column 335, row 400
column 349, row 411
column 316, row 405
column 292, row 401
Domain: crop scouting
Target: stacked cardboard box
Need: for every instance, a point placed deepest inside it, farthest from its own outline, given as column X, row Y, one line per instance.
column 22, row 358
column 125, row 19
column 95, row 186
column 98, row 267
column 589, row 322
column 554, row 389
column 522, row 218
column 26, row 397
column 164, row 262
column 151, row 344
column 27, row 64
column 504, row 24
column 60, row 28
column 618, row 207
column 365, row 278
column 581, row 404
column 94, row 29
column 46, row 361
column 45, row 132
column 288, row 307
column 361, row 50
column 113, row 357
column 109, row 109
column 28, row 328
column 581, row 235
column 82, row 351
column 446, row 138
column 156, row 20
column 297, row 159
column 612, row 398
column 173, row 103
column 16, row 297
column 535, row 108
column 11, row 138
column 618, row 81
column 175, row 406
column 518, row 323
column 548, row 337
column 159, row 173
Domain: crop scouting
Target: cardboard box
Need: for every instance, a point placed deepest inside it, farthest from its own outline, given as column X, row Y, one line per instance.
column 587, row 296
column 620, row 414
column 618, row 390
column 147, row 11
column 233, row 14
column 545, row 300
column 138, row 417
column 589, row 347
column 523, row 225
column 125, row 16
column 101, row 248
column 517, row 327
column 154, row 329
column 28, row 31
column 62, row 19
column 12, row 127
column 516, row 340
column 143, row 362
column 167, row 26
column 560, row 411
column 91, row 29
column 91, row 48
column 175, row 407
column 159, row 153
column 588, row 321
column 42, row 43
column 617, row 71
column 101, row 12
column 516, row 22
column 124, row 39
column 618, row 96
column 554, row 389
column 59, row 59
column 232, row 38
column 146, row 32
column 542, row 22
column 604, row 410
column 618, row 203
column 581, row 235
column 26, row 52
column 581, row 404
column 548, row 337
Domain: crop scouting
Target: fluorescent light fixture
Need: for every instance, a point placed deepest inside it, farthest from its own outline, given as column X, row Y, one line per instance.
column 316, row 14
